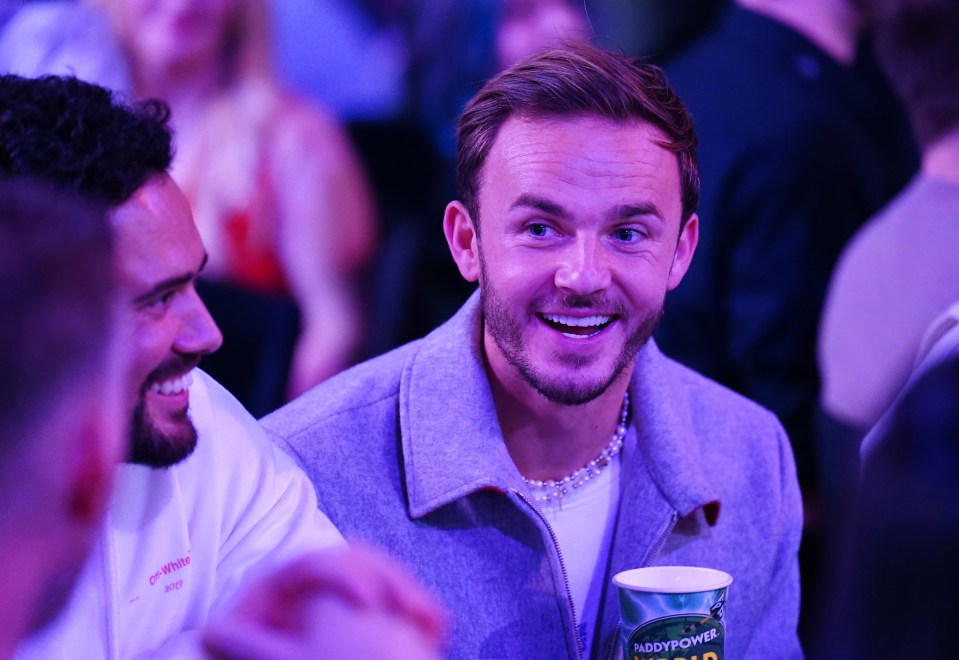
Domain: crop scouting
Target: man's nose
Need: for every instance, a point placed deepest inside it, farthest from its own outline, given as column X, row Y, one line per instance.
column 198, row 333
column 583, row 269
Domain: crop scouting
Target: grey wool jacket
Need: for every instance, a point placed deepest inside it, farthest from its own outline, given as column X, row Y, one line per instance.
column 406, row 453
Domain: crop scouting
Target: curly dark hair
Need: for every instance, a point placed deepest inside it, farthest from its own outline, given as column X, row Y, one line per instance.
column 78, row 136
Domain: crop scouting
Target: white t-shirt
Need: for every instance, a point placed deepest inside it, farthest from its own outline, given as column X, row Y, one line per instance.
column 582, row 521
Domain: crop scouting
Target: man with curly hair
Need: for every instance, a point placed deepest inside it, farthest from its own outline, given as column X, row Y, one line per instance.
column 205, row 501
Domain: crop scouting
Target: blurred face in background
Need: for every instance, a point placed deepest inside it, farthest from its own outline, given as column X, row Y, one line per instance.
column 528, row 26
column 171, row 34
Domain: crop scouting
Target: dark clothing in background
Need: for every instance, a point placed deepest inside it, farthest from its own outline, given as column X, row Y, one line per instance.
column 796, row 152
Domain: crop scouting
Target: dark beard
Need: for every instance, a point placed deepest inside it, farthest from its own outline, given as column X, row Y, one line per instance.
column 151, row 448
column 148, row 446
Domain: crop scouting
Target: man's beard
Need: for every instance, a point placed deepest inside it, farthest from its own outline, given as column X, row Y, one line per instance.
column 569, row 390
column 148, row 445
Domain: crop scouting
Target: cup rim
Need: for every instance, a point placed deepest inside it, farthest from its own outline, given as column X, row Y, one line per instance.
column 673, row 579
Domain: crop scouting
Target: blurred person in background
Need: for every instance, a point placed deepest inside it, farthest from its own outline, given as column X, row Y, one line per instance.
column 278, row 193
column 800, row 142
column 397, row 73
column 890, row 309
column 899, row 562
column 651, row 27
column 358, row 69
column 63, row 37
column 526, row 26
column 900, row 271
column 63, row 402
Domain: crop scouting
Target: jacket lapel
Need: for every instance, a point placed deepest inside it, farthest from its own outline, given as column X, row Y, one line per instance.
column 452, row 442
column 663, row 478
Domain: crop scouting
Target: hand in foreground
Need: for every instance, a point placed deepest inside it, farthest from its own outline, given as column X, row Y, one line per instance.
column 331, row 604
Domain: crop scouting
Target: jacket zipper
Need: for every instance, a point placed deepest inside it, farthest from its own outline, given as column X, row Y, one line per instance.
column 653, row 551
column 562, row 566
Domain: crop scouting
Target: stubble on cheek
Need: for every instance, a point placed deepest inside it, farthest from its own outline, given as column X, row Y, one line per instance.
column 572, row 387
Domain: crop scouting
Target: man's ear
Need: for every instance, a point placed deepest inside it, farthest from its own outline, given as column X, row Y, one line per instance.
column 462, row 239
column 685, row 247
column 92, row 468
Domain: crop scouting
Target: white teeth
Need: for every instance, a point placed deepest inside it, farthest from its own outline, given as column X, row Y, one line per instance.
column 174, row 386
column 577, row 322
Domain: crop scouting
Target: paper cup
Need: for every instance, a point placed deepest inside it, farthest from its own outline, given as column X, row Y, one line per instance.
column 672, row 612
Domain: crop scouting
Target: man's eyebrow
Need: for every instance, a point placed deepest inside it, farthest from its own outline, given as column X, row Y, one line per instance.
column 171, row 283
column 634, row 210
column 624, row 211
column 544, row 205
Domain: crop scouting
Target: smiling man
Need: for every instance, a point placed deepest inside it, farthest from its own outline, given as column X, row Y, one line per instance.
column 205, row 500
column 162, row 256
column 538, row 442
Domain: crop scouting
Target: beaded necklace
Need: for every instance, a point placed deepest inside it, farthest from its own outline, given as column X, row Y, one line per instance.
column 554, row 489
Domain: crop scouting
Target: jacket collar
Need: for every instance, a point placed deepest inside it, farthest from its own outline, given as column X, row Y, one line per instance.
column 453, row 445
column 663, row 417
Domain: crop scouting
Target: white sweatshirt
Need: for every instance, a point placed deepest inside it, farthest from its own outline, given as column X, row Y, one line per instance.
column 178, row 542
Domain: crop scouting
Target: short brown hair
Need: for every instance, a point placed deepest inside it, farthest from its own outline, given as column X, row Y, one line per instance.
column 576, row 79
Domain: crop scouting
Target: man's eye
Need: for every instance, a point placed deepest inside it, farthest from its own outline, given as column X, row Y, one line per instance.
column 538, row 230
column 626, row 234
column 163, row 300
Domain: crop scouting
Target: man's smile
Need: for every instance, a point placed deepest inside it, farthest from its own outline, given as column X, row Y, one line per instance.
column 172, row 386
column 577, row 327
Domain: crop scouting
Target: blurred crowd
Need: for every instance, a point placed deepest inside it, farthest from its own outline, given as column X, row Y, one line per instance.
column 315, row 144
